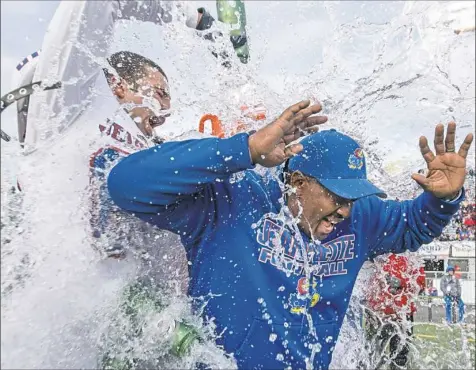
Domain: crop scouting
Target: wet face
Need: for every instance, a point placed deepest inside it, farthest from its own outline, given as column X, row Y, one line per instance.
column 317, row 209
column 151, row 90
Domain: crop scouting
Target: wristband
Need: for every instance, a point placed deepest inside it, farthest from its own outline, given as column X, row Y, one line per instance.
column 455, row 198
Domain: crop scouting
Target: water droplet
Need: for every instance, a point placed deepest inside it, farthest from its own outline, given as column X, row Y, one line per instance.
column 272, row 337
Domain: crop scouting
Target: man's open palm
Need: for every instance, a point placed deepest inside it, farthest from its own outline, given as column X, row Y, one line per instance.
column 270, row 147
column 447, row 169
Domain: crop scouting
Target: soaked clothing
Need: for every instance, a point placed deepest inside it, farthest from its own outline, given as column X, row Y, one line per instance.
column 276, row 297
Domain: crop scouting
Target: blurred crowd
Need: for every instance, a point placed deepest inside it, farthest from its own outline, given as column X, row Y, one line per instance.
column 463, row 225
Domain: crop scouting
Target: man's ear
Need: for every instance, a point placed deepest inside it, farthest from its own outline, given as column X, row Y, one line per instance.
column 297, row 180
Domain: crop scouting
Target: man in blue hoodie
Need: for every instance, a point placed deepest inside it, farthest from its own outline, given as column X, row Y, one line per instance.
column 273, row 263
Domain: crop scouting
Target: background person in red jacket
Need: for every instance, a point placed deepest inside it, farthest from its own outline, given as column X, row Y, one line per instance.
column 391, row 305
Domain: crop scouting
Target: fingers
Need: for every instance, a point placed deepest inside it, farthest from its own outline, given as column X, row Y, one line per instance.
column 305, row 113
column 290, row 112
column 463, row 150
column 425, row 150
column 310, row 126
column 313, row 129
column 292, row 150
column 291, row 137
column 450, row 137
column 438, row 141
column 312, row 121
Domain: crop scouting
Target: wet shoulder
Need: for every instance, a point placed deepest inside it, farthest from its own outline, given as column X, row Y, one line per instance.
column 255, row 187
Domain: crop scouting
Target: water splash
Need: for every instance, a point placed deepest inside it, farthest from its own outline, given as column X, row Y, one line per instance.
column 386, row 73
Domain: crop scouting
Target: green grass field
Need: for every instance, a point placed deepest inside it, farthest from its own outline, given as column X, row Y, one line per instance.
column 443, row 347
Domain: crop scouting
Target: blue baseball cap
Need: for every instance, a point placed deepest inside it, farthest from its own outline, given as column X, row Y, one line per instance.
column 337, row 162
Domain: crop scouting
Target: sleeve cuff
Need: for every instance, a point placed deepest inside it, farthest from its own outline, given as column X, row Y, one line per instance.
column 441, row 206
column 456, row 198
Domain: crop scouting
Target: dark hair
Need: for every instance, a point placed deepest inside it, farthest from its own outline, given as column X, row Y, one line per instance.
column 130, row 66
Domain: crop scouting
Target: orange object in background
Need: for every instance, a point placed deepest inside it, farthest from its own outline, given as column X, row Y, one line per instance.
column 256, row 113
column 217, row 129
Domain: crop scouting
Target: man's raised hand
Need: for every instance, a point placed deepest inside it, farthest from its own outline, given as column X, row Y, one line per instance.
column 271, row 145
column 447, row 169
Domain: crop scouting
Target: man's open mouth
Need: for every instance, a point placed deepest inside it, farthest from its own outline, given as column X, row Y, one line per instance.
column 329, row 223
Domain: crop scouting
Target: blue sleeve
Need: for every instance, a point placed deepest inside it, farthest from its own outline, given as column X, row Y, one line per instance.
column 393, row 226
column 172, row 185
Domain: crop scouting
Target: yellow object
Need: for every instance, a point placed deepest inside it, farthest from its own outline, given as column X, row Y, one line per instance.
column 315, row 299
column 297, row 310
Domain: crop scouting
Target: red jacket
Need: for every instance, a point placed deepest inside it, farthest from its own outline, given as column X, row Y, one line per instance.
column 393, row 288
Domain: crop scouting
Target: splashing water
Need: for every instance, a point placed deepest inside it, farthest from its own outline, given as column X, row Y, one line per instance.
column 385, row 72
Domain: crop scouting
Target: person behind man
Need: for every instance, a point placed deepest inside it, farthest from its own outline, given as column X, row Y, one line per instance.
column 130, row 129
column 276, row 263
column 75, row 52
column 450, row 286
column 391, row 297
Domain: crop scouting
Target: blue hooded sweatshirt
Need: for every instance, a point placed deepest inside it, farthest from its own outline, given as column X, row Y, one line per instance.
column 247, row 263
